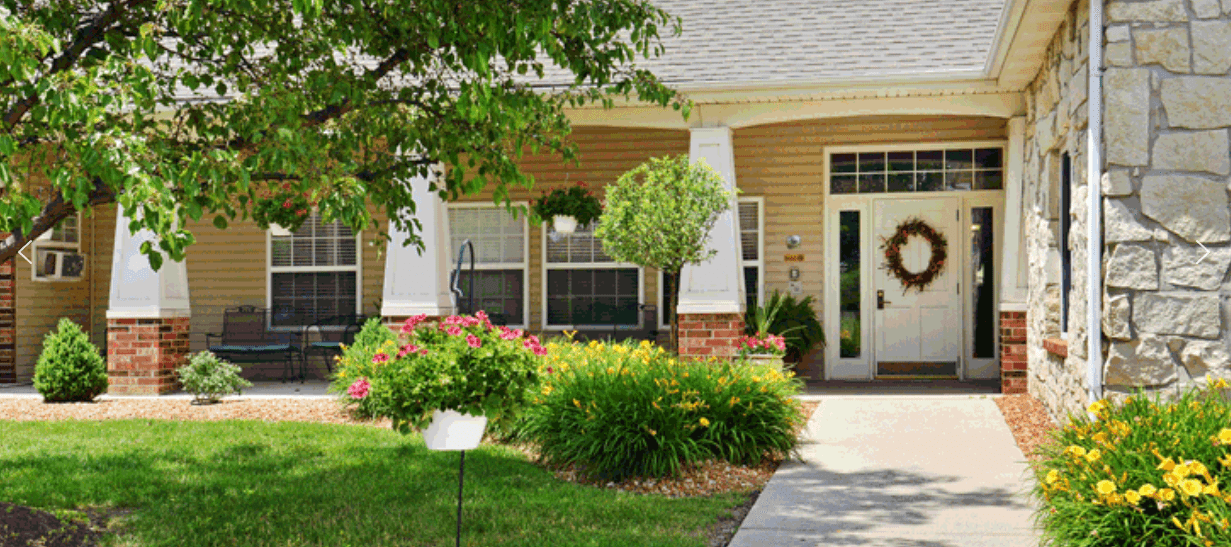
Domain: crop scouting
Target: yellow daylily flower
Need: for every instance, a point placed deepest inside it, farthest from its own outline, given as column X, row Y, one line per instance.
column 1191, row 488
column 1105, row 487
column 1132, row 497
column 1053, row 476
column 1147, row 490
column 1166, row 494
column 704, row 422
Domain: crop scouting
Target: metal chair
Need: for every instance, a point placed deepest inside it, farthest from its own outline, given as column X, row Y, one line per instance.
column 331, row 334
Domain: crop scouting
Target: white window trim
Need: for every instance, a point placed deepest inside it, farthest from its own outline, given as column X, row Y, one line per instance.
column 759, row 262
column 270, row 269
column 44, row 242
column 525, row 256
column 586, row 266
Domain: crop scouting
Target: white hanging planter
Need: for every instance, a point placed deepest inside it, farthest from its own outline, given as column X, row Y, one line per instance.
column 452, row 430
column 565, row 224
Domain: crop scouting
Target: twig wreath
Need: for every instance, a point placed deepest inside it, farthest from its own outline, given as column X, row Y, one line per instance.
column 893, row 253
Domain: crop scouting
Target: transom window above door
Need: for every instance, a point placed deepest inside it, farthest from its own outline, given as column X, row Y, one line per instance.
column 919, row 170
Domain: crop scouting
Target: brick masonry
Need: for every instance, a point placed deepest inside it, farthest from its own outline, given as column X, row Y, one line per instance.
column 395, row 322
column 710, row 334
column 8, row 324
column 1012, row 352
column 142, row 354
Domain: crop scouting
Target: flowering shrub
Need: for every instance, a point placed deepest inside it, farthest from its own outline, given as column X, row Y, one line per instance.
column 620, row 410
column 462, row 363
column 761, row 343
column 576, row 201
column 355, row 363
column 1144, row 473
column 209, row 378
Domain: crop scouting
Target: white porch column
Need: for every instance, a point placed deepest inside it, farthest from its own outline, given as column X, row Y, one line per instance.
column 147, row 316
column 711, row 304
column 418, row 283
column 1013, row 278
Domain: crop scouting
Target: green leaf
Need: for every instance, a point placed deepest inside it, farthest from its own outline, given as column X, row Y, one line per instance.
column 220, row 222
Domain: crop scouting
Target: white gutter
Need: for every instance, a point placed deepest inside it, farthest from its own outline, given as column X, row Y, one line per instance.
column 1094, row 216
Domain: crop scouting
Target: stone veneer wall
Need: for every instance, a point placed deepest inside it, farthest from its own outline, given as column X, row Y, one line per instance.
column 1056, row 123
column 1168, row 104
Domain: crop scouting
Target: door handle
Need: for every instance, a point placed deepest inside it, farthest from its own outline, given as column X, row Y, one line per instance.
column 880, row 300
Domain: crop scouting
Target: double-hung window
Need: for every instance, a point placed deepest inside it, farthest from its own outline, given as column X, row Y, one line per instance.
column 313, row 273
column 585, row 287
column 752, row 258
column 500, row 254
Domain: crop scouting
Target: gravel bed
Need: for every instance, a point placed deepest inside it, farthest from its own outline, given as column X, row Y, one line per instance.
column 1029, row 422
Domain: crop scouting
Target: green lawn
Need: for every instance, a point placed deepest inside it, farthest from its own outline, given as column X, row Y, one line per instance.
column 254, row 483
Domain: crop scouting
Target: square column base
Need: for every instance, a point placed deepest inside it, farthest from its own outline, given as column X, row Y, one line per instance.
column 142, row 354
column 710, row 334
column 1013, row 352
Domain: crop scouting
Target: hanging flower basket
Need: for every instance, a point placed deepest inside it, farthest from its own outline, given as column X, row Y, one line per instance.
column 565, row 224
column 576, row 201
column 452, row 430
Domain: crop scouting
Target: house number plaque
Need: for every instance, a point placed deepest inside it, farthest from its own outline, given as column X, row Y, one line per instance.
column 794, row 258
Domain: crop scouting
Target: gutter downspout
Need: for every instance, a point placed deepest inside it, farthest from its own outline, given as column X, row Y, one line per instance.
column 1094, row 216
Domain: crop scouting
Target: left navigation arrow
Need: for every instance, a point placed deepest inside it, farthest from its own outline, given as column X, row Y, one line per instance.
column 28, row 261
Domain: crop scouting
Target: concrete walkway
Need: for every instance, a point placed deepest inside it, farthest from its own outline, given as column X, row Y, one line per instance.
column 898, row 471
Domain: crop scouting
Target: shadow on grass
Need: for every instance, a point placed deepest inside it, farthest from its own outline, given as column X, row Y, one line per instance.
column 254, row 483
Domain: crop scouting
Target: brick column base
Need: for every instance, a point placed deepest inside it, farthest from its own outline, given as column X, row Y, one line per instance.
column 1012, row 352
column 142, row 354
column 710, row 334
column 8, row 323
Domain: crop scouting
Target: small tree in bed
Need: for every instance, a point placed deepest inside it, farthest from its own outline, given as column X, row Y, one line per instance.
column 659, row 215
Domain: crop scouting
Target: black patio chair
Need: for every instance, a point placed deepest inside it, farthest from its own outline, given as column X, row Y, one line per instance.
column 246, row 333
column 327, row 336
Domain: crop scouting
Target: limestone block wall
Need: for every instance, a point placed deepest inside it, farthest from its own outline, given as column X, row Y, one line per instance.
column 1167, row 225
column 1056, row 125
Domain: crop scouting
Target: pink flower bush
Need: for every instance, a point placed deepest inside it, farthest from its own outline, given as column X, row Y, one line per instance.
column 380, row 358
column 412, row 322
column 359, row 389
column 473, row 341
column 454, row 331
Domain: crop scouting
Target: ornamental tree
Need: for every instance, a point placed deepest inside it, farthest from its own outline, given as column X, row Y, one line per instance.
column 236, row 109
column 659, row 215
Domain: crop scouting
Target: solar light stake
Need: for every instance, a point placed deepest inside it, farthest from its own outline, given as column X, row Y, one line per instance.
column 461, row 473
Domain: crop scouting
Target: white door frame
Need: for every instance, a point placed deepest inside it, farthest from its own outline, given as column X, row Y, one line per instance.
column 850, row 368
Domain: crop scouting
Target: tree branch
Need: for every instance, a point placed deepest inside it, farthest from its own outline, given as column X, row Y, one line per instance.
column 53, row 212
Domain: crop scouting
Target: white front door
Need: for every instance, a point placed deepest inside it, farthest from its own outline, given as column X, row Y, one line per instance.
column 918, row 332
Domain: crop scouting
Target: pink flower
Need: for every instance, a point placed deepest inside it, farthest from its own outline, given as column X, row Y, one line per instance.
column 533, row 339
column 380, row 358
column 287, row 204
column 423, row 351
column 781, row 343
column 407, row 350
column 473, row 341
column 452, row 320
column 359, row 389
column 540, row 351
column 550, row 370
column 509, row 334
column 469, row 322
column 528, row 344
column 454, row 331
column 412, row 322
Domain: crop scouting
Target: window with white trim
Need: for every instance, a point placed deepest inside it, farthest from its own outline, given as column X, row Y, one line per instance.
column 57, row 253
column 313, row 273
column 751, row 239
column 585, row 287
column 500, row 252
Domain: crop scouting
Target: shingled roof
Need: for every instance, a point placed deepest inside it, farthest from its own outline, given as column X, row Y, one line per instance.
column 759, row 42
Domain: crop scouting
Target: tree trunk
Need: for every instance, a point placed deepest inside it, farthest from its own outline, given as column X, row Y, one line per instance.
column 673, row 300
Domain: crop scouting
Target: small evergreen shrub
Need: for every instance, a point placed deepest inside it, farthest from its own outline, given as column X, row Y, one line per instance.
column 356, row 362
column 621, row 410
column 209, row 378
column 1146, row 472
column 70, row 367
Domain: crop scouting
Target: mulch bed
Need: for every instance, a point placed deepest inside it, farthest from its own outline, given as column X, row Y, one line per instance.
column 22, row 526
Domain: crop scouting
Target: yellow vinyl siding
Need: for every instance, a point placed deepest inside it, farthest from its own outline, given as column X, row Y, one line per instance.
column 605, row 153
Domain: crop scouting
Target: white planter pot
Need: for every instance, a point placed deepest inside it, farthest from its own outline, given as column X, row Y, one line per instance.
column 766, row 359
column 564, row 224
column 452, row 430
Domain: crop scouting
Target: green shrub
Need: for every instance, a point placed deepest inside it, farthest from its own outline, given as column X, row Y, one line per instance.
column 1145, row 472
column 356, row 362
column 621, row 410
column 209, row 378
column 70, row 367
column 790, row 318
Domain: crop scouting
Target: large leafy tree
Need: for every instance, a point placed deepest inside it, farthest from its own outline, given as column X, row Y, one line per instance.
column 265, row 109
column 659, row 215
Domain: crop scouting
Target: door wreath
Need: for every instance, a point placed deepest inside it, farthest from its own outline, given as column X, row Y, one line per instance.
column 893, row 254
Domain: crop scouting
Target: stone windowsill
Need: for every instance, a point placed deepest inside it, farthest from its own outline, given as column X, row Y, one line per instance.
column 1056, row 346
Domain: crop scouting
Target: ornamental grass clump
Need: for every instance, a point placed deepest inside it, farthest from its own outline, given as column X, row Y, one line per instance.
column 1145, row 472
column 461, row 363
column 618, row 410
